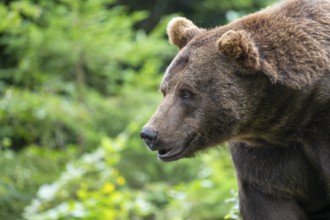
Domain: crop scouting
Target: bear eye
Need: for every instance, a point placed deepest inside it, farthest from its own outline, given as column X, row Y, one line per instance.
column 163, row 91
column 186, row 60
column 186, row 94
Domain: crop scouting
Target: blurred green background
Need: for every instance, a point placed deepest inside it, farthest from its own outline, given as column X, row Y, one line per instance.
column 78, row 79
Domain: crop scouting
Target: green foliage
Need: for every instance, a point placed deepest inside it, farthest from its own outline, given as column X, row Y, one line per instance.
column 207, row 13
column 107, row 193
column 234, row 210
column 23, row 173
column 75, row 69
column 93, row 48
column 67, row 72
column 45, row 119
column 215, row 12
column 50, row 120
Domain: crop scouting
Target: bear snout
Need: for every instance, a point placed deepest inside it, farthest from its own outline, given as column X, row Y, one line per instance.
column 149, row 136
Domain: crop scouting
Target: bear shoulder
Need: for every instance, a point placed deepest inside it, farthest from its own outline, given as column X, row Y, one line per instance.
column 291, row 40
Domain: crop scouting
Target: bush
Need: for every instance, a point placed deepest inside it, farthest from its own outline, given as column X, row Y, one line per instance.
column 108, row 184
column 71, row 73
column 73, row 61
column 22, row 174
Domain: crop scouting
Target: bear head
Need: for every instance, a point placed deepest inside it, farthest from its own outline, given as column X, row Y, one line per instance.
column 213, row 89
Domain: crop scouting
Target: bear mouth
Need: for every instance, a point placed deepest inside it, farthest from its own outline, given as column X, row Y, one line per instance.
column 171, row 154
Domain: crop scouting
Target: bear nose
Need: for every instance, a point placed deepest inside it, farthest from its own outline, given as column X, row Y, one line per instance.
column 149, row 136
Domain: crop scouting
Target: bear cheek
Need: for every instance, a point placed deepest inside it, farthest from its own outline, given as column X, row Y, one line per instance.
column 218, row 118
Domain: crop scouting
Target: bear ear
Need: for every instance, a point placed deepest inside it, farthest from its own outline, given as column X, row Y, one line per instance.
column 239, row 46
column 181, row 30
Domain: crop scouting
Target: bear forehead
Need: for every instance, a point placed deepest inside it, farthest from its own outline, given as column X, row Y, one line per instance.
column 200, row 48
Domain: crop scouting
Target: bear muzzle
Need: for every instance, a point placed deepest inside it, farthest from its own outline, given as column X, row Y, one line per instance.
column 149, row 136
column 167, row 153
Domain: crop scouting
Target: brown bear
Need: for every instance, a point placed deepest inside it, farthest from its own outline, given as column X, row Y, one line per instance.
column 263, row 84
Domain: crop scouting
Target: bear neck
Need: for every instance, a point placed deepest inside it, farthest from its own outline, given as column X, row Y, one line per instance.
column 285, row 115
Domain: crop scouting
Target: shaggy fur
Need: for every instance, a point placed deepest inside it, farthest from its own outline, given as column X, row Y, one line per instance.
column 263, row 84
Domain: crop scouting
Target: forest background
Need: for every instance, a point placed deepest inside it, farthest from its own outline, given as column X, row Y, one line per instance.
column 78, row 79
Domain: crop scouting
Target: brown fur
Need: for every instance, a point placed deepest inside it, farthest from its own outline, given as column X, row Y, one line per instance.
column 181, row 31
column 240, row 47
column 263, row 84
